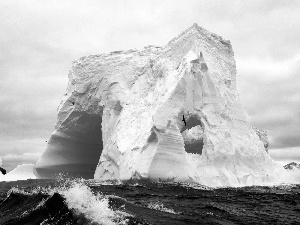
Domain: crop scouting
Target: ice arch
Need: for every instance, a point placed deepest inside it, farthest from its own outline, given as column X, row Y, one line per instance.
column 73, row 150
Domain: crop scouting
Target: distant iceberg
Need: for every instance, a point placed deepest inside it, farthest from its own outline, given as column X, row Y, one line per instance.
column 21, row 172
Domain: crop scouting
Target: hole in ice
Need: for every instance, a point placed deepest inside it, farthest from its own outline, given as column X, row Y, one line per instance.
column 192, row 135
column 152, row 137
column 191, row 122
column 76, row 148
column 204, row 67
column 194, row 147
column 118, row 108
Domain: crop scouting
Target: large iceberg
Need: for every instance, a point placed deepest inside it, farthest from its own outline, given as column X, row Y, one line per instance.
column 161, row 114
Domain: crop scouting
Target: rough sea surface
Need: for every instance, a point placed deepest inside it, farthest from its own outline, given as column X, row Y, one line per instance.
column 88, row 202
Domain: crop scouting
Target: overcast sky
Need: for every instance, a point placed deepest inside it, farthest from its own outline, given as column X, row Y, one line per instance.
column 39, row 39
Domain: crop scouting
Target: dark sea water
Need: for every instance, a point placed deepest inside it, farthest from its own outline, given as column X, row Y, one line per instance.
column 88, row 202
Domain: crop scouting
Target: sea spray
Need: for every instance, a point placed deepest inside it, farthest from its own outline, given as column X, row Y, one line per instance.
column 94, row 206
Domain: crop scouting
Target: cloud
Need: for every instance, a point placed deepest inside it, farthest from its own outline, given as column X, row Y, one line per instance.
column 11, row 161
column 268, row 70
column 286, row 155
column 270, row 94
column 19, row 151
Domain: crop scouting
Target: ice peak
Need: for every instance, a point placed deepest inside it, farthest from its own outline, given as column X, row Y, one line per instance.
column 196, row 31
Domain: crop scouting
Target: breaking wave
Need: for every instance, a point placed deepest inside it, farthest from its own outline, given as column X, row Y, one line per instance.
column 72, row 202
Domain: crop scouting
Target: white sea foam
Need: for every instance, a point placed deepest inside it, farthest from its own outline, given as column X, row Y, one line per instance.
column 94, row 206
column 17, row 190
column 160, row 207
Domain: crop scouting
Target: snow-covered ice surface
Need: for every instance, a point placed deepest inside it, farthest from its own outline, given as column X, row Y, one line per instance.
column 167, row 113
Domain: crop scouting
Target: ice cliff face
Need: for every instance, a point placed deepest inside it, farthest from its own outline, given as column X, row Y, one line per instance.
column 161, row 113
column 263, row 136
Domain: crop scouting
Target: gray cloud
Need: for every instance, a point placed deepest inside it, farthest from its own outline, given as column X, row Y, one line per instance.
column 286, row 156
column 270, row 94
column 39, row 39
column 11, row 161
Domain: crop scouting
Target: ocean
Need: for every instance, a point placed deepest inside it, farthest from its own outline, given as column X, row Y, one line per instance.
column 66, row 201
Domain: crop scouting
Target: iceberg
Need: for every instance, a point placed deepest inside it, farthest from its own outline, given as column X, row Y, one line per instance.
column 21, row 172
column 167, row 113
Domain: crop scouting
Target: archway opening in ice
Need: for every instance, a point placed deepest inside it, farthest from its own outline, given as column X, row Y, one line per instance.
column 192, row 133
column 74, row 149
column 153, row 137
